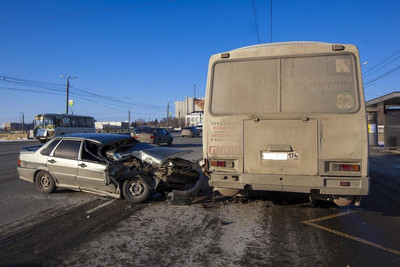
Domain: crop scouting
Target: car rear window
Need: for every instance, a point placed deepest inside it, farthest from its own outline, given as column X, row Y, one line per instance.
column 68, row 149
column 52, row 144
column 143, row 130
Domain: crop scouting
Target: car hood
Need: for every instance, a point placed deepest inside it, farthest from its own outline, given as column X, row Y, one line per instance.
column 146, row 153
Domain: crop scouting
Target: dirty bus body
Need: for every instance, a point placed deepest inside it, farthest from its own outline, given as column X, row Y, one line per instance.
column 287, row 117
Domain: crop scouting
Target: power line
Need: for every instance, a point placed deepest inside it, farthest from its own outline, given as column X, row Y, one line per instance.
column 255, row 20
column 57, row 89
column 382, row 76
column 368, row 72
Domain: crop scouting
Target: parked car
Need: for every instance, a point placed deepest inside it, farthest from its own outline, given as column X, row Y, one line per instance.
column 153, row 135
column 199, row 127
column 190, row 131
column 110, row 164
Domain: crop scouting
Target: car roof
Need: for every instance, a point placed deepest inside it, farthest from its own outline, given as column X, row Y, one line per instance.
column 96, row 137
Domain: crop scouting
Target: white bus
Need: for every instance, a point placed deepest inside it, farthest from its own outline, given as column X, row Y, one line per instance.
column 287, row 117
column 46, row 126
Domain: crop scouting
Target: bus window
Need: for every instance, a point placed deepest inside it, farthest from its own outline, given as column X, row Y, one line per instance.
column 82, row 122
column 48, row 121
column 327, row 84
column 89, row 122
column 258, row 78
column 74, row 122
column 66, row 122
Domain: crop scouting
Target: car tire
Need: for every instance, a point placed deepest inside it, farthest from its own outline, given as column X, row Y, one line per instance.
column 136, row 190
column 45, row 182
column 169, row 142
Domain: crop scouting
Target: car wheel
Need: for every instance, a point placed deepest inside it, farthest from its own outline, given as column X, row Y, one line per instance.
column 169, row 142
column 136, row 190
column 45, row 182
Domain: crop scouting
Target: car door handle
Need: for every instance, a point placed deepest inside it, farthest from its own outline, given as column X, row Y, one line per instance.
column 52, row 161
column 83, row 165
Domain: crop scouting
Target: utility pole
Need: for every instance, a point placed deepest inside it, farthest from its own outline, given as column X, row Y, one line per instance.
column 271, row 20
column 194, row 91
column 67, row 85
column 23, row 122
column 168, row 112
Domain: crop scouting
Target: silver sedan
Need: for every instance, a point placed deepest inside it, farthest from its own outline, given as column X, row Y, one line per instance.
column 109, row 164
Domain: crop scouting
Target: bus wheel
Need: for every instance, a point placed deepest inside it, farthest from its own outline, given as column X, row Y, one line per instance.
column 228, row 192
column 343, row 201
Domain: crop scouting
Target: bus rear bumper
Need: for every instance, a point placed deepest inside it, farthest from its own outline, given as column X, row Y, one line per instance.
column 326, row 185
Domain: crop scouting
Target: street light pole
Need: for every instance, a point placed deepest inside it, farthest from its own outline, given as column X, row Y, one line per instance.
column 129, row 117
column 67, row 87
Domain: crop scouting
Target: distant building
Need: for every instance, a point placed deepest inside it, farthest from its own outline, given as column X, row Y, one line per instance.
column 384, row 121
column 112, row 127
column 191, row 109
column 194, row 118
column 15, row 126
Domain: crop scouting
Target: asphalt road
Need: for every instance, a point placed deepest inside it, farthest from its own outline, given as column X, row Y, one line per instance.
column 270, row 229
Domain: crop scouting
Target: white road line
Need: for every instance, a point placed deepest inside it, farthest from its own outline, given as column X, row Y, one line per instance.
column 101, row 206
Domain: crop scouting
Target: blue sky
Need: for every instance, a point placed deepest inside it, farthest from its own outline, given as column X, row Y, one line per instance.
column 140, row 55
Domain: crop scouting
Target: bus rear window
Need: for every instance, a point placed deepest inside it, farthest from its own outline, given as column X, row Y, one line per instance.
column 318, row 84
column 244, row 87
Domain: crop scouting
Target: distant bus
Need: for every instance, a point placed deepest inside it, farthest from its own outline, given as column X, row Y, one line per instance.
column 287, row 117
column 46, row 126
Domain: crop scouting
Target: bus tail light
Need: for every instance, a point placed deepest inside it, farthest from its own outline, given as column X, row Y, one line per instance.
column 218, row 163
column 345, row 167
column 223, row 163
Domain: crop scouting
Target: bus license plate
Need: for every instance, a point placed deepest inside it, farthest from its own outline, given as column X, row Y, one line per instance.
column 280, row 155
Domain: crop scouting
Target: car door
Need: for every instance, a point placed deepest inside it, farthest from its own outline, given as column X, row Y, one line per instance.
column 165, row 136
column 161, row 135
column 63, row 162
column 91, row 170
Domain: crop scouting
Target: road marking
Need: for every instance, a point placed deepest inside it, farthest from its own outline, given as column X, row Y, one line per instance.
column 100, row 206
column 312, row 222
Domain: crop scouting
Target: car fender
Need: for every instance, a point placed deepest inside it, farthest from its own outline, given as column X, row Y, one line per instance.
column 43, row 168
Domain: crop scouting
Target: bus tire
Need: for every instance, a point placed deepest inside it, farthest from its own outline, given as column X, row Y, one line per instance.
column 343, row 201
column 228, row 192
